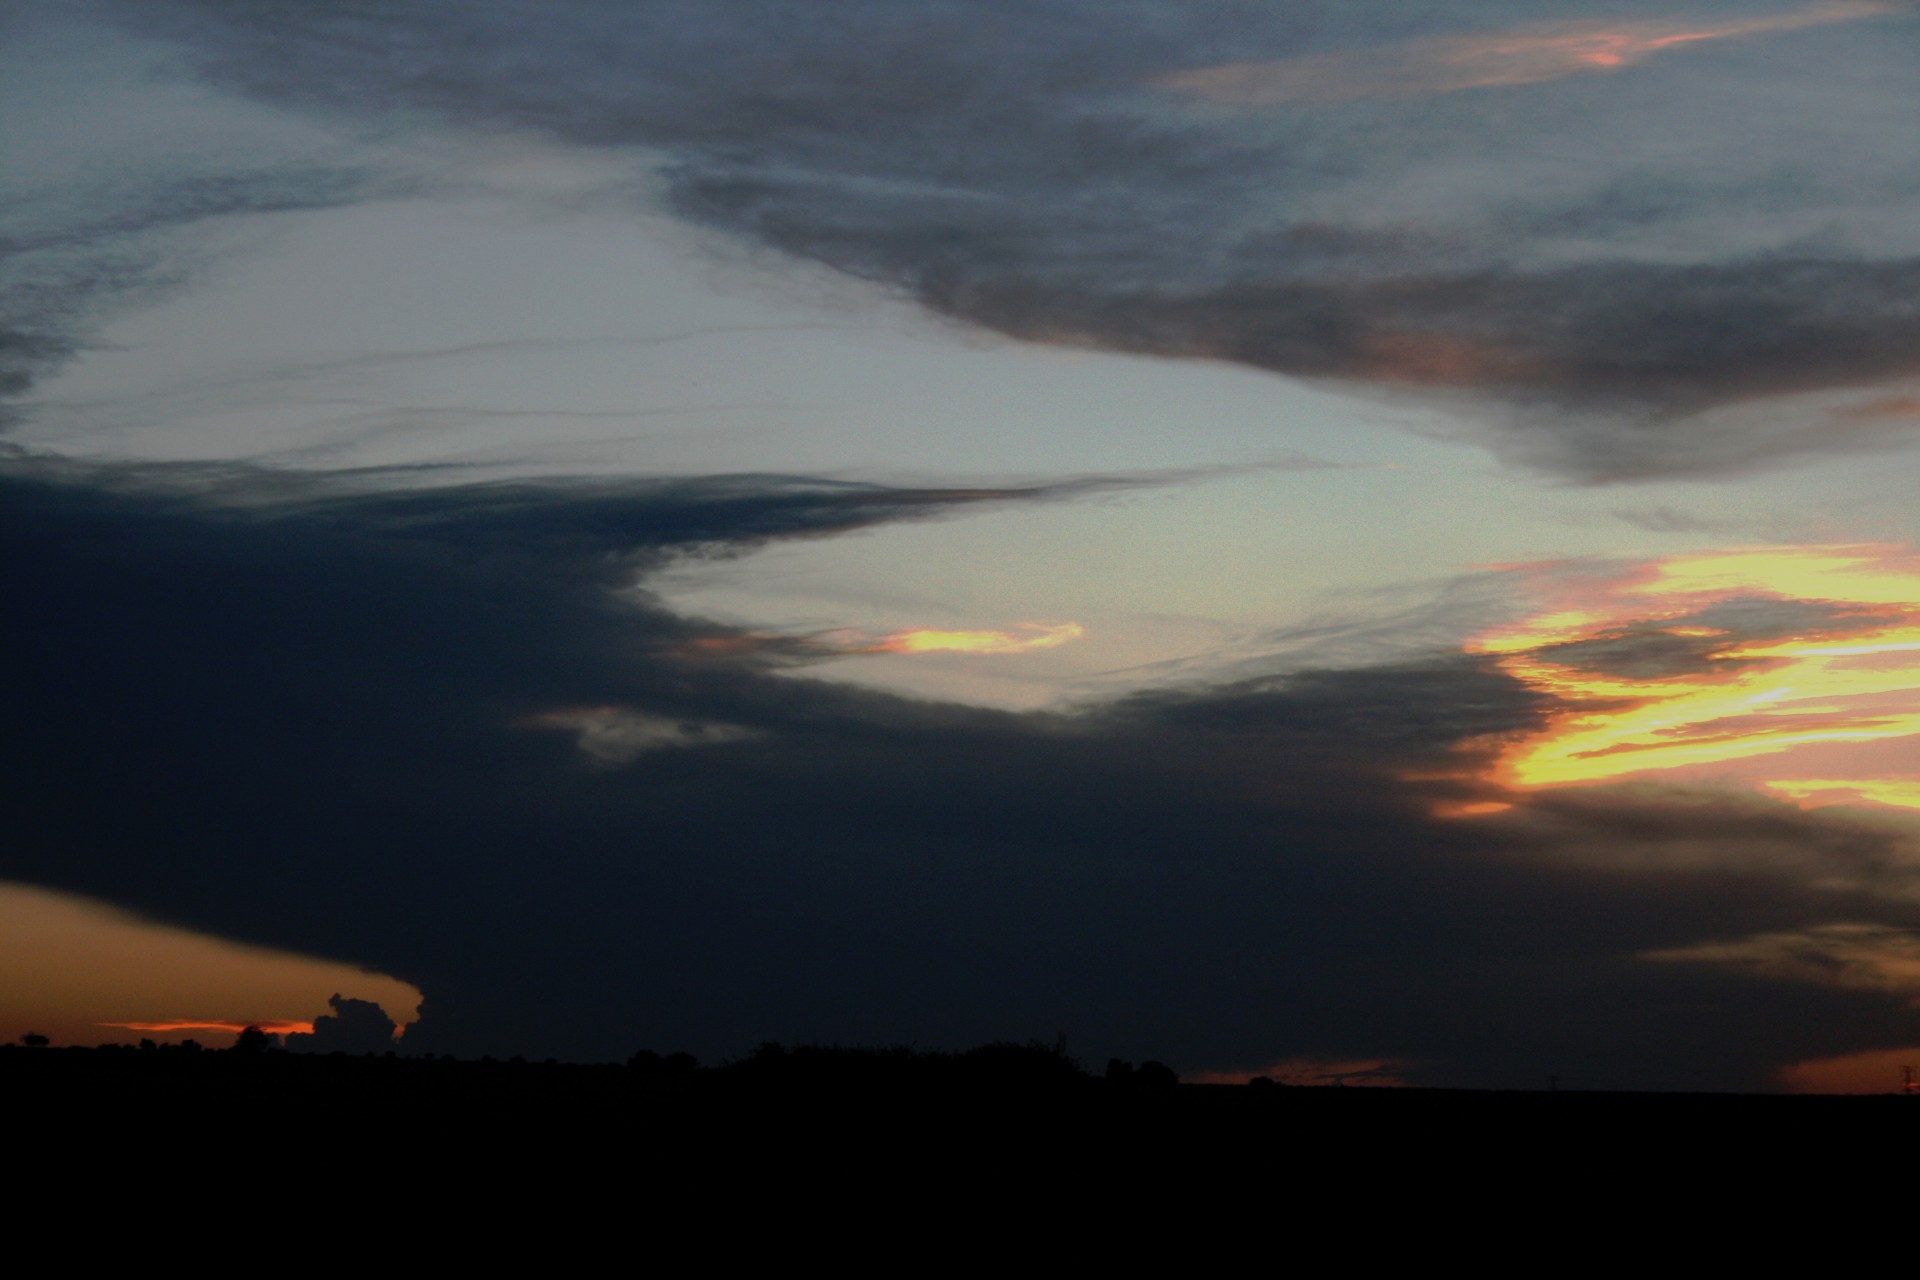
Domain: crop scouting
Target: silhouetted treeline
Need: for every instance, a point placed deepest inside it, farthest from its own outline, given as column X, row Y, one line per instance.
column 999, row 1067
column 895, row 1100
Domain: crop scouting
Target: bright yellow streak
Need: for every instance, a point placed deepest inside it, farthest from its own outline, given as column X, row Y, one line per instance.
column 1864, row 573
column 1896, row 793
column 924, row 640
column 1851, row 676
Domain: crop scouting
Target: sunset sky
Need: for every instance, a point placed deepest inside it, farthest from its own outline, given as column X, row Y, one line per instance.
column 1367, row 541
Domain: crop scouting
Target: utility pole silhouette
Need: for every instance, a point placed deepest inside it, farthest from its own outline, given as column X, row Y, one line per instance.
column 1908, row 1084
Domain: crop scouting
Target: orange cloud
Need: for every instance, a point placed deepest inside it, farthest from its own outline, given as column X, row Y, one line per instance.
column 1876, row 1071
column 1026, row 637
column 1792, row 670
column 1531, row 54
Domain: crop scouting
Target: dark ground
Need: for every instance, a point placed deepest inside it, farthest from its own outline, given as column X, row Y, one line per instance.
column 872, row 1095
column 1003, row 1157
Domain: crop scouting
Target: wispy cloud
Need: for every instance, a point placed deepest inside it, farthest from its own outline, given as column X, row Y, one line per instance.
column 1523, row 55
column 1637, row 313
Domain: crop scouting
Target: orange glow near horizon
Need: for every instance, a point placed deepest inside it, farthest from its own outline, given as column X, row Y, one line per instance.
column 1530, row 54
column 74, row 965
column 1027, row 637
column 1875, row 1071
column 270, row 1026
column 1820, row 704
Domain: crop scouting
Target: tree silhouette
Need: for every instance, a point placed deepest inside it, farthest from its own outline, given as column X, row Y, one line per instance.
column 252, row 1040
column 1156, row 1075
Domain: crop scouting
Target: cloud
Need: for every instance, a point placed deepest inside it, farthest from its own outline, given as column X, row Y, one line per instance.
column 1779, row 665
column 1523, row 55
column 1606, row 282
column 616, row 735
column 354, row 1026
column 1667, row 519
column 1025, row 637
column 1865, row 956
column 301, row 719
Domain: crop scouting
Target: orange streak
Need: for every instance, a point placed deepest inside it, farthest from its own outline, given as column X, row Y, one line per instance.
column 271, row 1026
column 1530, row 54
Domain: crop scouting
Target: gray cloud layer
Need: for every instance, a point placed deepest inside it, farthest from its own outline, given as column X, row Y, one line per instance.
column 1603, row 257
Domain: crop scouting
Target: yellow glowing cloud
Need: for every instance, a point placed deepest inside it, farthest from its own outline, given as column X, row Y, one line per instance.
column 1777, row 656
column 1028, row 636
column 1529, row 54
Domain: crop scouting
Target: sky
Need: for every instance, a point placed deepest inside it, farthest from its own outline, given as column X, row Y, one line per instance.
column 1365, row 541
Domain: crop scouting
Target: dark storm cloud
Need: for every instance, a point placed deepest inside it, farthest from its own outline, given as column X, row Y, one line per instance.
column 1604, row 258
column 325, row 722
column 354, row 1026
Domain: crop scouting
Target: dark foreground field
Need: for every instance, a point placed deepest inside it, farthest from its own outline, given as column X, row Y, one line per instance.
column 880, row 1098
column 887, row 1159
column 893, row 1161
